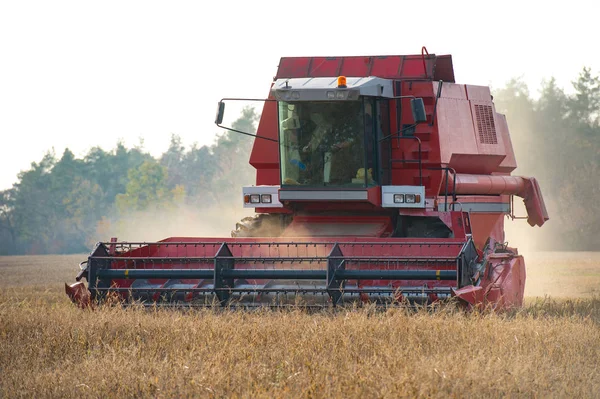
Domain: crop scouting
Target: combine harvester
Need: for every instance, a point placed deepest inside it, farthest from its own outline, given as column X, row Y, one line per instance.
column 378, row 179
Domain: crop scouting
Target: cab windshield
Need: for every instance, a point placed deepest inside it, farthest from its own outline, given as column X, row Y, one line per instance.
column 323, row 143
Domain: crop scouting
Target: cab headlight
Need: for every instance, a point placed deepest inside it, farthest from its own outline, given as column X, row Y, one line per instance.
column 255, row 198
column 398, row 198
column 265, row 198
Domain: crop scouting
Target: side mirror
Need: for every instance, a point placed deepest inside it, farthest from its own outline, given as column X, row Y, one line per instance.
column 220, row 113
column 418, row 110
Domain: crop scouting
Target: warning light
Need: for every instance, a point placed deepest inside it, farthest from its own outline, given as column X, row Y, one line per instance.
column 341, row 82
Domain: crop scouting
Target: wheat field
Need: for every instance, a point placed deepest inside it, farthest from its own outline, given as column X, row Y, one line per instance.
column 50, row 348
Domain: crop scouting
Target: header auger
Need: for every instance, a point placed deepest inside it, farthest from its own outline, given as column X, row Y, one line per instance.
column 378, row 179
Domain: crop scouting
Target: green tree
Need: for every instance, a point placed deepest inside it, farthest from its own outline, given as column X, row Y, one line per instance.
column 7, row 227
column 232, row 155
column 147, row 186
column 172, row 160
column 33, row 210
column 198, row 169
column 556, row 140
column 55, row 205
column 585, row 104
column 109, row 169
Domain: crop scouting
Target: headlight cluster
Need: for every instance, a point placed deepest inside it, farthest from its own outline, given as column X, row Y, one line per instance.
column 258, row 199
column 337, row 95
column 407, row 198
column 287, row 95
column 316, row 94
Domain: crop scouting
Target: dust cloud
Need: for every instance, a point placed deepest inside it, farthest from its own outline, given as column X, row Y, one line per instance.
column 182, row 221
column 549, row 273
column 554, row 268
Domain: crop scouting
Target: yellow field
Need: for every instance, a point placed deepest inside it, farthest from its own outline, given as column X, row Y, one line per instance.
column 49, row 348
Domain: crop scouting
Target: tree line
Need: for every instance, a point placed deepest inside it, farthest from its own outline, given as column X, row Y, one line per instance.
column 63, row 205
column 556, row 137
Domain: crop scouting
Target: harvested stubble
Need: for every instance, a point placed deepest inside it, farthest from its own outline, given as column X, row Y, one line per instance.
column 50, row 348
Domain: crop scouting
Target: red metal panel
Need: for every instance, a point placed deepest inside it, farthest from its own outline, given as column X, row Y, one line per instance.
column 413, row 68
column 325, row 67
column 338, row 226
column 268, row 177
column 386, row 67
column 455, row 126
column 444, row 69
column 265, row 153
column 507, row 282
column 503, row 287
column 509, row 163
column 296, row 67
column 485, row 225
column 424, row 89
column 478, row 93
column 471, row 140
column 356, row 66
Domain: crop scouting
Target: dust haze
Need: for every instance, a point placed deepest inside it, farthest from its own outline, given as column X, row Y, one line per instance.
column 550, row 270
column 551, row 273
column 182, row 221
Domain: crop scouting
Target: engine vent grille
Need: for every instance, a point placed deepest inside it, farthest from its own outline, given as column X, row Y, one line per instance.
column 485, row 124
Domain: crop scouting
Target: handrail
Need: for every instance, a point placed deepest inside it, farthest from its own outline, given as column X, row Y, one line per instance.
column 448, row 169
column 420, row 160
column 423, row 51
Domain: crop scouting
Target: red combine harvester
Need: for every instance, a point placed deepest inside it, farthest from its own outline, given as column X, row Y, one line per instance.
column 378, row 179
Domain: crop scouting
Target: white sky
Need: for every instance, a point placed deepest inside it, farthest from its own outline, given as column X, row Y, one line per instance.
column 79, row 74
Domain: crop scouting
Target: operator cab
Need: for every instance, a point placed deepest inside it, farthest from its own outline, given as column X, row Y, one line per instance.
column 333, row 137
column 329, row 143
column 332, row 131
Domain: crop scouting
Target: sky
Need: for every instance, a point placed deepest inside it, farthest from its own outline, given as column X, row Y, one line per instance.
column 79, row 74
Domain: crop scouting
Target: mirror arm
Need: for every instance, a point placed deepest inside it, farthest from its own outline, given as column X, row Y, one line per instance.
column 398, row 97
column 222, row 110
column 398, row 132
column 247, row 134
